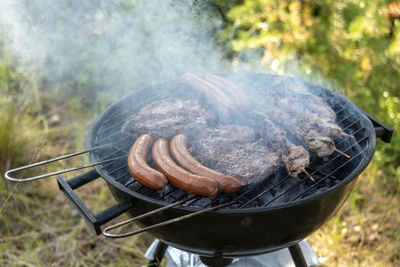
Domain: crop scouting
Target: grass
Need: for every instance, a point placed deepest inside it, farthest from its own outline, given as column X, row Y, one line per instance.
column 37, row 226
column 366, row 231
column 43, row 230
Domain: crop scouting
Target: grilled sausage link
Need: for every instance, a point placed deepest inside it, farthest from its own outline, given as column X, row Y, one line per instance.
column 179, row 151
column 138, row 167
column 237, row 94
column 222, row 102
column 178, row 176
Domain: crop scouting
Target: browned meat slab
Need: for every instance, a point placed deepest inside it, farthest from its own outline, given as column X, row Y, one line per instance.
column 167, row 118
column 180, row 153
column 234, row 150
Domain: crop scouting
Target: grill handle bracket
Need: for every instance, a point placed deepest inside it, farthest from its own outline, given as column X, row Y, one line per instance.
column 382, row 131
column 95, row 221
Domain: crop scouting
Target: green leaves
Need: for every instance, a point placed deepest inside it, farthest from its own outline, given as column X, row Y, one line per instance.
column 348, row 42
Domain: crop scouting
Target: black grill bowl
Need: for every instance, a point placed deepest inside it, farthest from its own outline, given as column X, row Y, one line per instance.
column 234, row 233
column 228, row 231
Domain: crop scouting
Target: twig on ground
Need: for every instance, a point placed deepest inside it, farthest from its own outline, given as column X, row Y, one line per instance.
column 15, row 186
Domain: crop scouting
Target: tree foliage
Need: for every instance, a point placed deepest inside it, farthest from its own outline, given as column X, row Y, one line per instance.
column 355, row 43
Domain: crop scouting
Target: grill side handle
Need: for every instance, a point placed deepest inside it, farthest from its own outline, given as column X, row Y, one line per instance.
column 382, row 131
column 29, row 166
column 95, row 221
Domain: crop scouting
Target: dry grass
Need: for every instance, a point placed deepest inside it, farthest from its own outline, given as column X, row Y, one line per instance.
column 41, row 229
column 37, row 225
column 366, row 231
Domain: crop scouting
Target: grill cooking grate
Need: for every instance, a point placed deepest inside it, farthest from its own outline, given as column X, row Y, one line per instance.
column 278, row 189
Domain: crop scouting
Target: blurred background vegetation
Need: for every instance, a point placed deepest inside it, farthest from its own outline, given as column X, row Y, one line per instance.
column 355, row 44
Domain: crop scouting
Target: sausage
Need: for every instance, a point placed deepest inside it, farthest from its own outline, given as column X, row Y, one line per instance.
column 213, row 94
column 179, row 151
column 138, row 167
column 238, row 95
column 179, row 177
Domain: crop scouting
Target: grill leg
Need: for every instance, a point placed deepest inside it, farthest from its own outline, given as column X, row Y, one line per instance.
column 158, row 255
column 297, row 255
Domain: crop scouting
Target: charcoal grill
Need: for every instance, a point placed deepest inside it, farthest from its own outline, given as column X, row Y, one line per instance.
column 265, row 216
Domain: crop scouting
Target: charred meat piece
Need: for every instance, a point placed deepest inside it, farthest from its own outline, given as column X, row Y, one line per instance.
column 303, row 129
column 167, row 118
column 289, row 86
column 307, row 107
column 295, row 158
column 322, row 146
column 222, row 137
column 304, row 109
column 234, row 150
column 273, row 135
column 250, row 162
column 326, row 125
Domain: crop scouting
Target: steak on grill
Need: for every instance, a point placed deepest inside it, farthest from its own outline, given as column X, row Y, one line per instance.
column 167, row 118
column 233, row 150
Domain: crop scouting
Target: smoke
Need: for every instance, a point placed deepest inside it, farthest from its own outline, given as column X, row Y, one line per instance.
column 111, row 46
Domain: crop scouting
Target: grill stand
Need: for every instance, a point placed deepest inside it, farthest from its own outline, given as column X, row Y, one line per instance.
column 216, row 261
column 158, row 253
column 297, row 255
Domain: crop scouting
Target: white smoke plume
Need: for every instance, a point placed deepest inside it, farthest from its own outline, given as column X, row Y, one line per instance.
column 111, row 46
